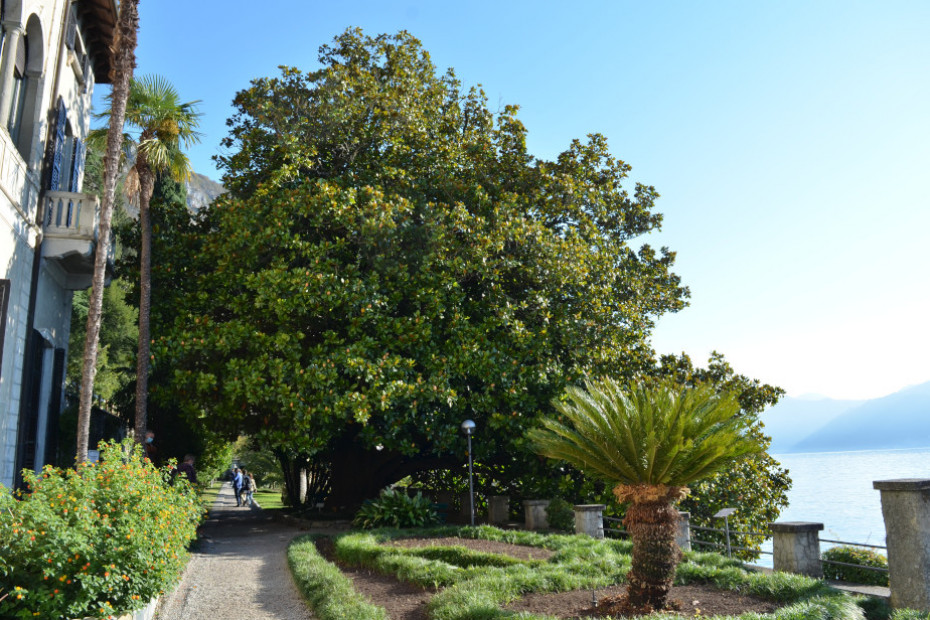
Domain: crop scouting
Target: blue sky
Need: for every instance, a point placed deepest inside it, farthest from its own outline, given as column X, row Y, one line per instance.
column 790, row 142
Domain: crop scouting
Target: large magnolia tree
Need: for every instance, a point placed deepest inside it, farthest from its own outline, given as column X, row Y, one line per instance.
column 391, row 261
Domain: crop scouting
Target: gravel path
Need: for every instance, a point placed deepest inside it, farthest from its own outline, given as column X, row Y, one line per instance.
column 240, row 570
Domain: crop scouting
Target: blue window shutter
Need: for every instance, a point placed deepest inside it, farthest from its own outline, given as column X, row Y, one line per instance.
column 71, row 28
column 55, row 182
column 77, row 165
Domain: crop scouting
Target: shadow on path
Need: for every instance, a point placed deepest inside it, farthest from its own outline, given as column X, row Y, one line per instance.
column 239, row 570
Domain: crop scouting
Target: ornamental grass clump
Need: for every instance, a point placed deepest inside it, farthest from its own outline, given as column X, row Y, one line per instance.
column 101, row 539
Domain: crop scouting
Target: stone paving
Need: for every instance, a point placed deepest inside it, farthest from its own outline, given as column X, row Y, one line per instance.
column 239, row 570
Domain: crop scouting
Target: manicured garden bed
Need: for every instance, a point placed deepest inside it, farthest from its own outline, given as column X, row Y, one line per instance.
column 476, row 575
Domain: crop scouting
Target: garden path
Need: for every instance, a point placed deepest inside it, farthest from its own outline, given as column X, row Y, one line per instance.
column 239, row 570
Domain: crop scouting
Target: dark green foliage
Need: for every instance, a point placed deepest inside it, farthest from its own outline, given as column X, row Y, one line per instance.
column 116, row 357
column 561, row 515
column 391, row 261
column 859, row 556
column 395, row 509
column 756, row 486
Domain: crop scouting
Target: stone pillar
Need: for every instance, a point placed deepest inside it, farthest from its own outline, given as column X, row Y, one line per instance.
column 796, row 547
column 498, row 509
column 535, row 512
column 906, row 510
column 683, row 537
column 12, row 40
column 589, row 519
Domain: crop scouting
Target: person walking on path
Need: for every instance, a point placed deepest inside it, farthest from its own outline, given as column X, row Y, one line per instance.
column 237, row 486
column 248, row 486
column 238, row 571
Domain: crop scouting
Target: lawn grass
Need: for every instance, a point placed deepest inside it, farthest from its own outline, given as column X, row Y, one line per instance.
column 208, row 493
column 473, row 585
column 268, row 499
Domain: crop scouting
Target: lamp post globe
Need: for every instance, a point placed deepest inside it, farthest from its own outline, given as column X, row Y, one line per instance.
column 468, row 427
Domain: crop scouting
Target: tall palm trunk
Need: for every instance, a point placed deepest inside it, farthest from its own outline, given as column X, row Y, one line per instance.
column 124, row 61
column 146, row 188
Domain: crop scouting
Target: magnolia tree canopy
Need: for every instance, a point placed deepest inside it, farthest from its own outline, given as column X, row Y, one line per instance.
column 390, row 260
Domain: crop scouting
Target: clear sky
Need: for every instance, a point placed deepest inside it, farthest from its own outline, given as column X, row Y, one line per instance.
column 790, row 141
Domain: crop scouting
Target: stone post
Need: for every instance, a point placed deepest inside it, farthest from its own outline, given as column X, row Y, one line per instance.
column 683, row 537
column 535, row 512
column 589, row 519
column 906, row 510
column 796, row 546
column 498, row 509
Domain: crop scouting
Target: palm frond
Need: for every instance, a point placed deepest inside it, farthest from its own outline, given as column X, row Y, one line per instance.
column 664, row 434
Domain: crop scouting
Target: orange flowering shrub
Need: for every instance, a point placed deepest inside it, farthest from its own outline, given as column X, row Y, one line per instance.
column 97, row 540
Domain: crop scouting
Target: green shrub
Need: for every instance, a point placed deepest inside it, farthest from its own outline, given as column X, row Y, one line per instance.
column 561, row 515
column 860, row 557
column 393, row 509
column 329, row 592
column 101, row 539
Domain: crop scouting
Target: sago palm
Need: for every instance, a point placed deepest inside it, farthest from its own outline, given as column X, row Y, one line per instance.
column 160, row 125
column 650, row 442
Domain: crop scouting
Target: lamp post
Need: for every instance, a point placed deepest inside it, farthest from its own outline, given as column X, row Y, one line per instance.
column 468, row 427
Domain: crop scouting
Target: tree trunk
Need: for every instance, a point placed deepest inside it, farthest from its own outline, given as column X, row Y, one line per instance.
column 652, row 526
column 359, row 472
column 146, row 188
column 124, row 61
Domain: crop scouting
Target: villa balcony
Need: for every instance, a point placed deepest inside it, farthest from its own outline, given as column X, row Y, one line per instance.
column 70, row 238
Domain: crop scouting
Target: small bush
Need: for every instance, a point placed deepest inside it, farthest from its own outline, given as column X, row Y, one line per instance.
column 859, row 556
column 101, row 539
column 393, row 509
column 561, row 515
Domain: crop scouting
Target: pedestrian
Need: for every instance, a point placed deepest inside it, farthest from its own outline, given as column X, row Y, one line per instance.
column 187, row 468
column 247, row 486
column 237, row 486
column 148, row 445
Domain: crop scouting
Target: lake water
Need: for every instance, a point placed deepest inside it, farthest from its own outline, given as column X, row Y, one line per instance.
column 835, row 488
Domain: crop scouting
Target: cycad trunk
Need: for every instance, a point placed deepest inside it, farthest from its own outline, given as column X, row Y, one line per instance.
column 146, row 188
column 652, row 527
column 124, row 61
column 652, row 522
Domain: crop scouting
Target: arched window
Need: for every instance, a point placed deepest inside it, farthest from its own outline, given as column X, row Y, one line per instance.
column 15, row 122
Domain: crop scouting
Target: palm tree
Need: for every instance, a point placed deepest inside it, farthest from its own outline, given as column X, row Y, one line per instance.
column 124, row 61
column 163, row 125
column 650, row 442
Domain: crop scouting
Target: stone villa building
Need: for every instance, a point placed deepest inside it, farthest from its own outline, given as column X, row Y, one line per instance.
column 52, row 53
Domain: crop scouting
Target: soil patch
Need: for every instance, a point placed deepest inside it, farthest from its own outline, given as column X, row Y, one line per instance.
column 521, row 552
column 402, row 600
column 692, row 600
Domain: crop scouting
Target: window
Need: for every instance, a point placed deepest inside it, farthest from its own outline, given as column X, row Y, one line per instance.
column 15, row 122
column 4, row 303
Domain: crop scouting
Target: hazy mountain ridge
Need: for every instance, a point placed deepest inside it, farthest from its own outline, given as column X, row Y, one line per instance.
column 201, row 191
column 899, row 420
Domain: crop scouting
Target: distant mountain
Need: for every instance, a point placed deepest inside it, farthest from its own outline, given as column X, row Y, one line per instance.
column 201, row 191
column 795, row 418
column 900, row 420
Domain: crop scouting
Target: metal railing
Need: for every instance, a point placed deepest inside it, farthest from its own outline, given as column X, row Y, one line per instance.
column 727, row 546
column 614, row 531
column 846, row 543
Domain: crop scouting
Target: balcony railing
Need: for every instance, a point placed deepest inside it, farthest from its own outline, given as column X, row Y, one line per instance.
column 70, row 236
